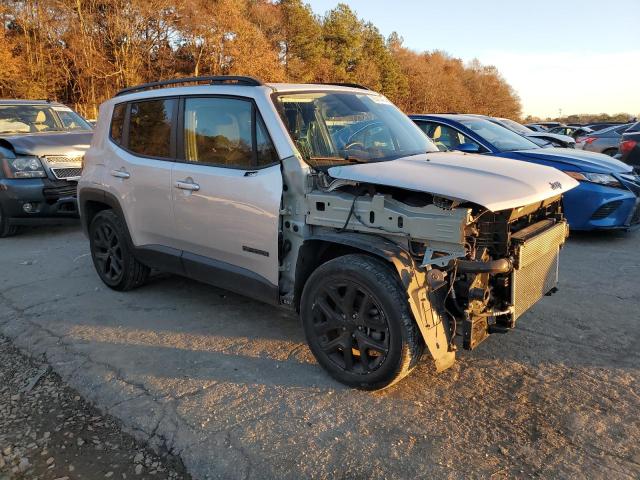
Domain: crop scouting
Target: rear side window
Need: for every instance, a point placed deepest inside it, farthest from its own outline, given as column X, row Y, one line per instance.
column 150, row 127
column 227, row 132
column 117, row 122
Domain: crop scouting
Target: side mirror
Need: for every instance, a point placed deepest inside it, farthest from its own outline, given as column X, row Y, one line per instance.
column 468, row 147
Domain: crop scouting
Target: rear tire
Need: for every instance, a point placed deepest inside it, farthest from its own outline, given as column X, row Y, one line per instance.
column 357, row 322
column 6, row 229
column 112, row 255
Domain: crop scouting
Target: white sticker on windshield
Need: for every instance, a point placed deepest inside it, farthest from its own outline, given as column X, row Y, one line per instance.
column 61, row 108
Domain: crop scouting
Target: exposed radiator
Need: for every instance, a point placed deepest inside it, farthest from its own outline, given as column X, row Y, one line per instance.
column 536, row 266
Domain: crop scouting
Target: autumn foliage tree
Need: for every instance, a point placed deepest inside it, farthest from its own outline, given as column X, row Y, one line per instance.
column 82, row 51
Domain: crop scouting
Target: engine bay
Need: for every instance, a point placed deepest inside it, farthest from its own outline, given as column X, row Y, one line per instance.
column 482, row 269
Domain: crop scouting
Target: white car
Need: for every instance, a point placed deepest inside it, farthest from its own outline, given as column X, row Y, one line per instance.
column 541, row 138
column 329, row 201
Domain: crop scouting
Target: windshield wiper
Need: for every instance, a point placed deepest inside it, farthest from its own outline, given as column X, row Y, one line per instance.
column 336, row 160
column 349, row 159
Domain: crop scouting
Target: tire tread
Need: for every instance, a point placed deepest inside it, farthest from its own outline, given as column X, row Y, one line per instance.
column 387, row 278
column 135, row 272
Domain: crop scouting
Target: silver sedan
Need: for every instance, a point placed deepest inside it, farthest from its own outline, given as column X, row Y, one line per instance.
column 603, row 141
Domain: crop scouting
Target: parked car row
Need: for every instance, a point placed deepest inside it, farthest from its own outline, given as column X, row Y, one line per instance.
column 42, row 144
column 540, row 138
column 630, row 146
column 604, row 141
column 609, row 190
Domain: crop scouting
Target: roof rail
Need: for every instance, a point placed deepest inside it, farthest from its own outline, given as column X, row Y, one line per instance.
column 211, row 80
column 340, row 84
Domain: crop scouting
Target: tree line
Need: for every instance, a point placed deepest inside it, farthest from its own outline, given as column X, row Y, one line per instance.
column 81, row 52
column 586, row 118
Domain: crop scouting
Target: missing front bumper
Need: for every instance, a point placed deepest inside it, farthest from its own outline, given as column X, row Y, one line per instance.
column 534, row 274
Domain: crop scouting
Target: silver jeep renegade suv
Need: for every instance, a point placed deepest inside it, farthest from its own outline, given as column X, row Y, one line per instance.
column 328, row 200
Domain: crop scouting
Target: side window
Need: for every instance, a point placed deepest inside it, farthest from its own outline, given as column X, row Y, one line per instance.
column 266, row 151
column 219, row 131
column 117, row 122
column 448, row 138
column 427, row 128
column 150, row 127
column 43, row 120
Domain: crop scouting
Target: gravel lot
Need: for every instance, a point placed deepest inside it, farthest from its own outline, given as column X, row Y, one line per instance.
column 47, row 431
column 228, row 384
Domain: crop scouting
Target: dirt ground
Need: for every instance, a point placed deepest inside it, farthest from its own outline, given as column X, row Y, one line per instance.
column 228, row 385
column 47, row 431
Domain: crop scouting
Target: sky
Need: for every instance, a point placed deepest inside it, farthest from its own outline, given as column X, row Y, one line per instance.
column 560, row 56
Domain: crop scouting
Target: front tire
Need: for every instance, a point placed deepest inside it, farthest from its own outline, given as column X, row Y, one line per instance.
column 357, row 322
column 112, row 256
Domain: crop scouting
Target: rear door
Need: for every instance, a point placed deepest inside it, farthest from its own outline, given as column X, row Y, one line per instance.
column 140, row 167
column 226, row 191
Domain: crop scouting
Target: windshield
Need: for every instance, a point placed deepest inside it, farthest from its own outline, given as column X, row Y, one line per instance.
column 502, row 138
column 40, row 118
column 515, row 126
column 333, row 128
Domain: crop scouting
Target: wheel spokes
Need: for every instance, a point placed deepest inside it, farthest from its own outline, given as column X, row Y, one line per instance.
column 365, row 342
column 351, row 327
column 341, row 341
column 107, row 252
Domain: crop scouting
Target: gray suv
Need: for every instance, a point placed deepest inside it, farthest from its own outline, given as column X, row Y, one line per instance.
column 41, row 148
column 329, row 201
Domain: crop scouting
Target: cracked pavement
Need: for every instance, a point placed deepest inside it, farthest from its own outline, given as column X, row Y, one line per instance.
column 228, row 384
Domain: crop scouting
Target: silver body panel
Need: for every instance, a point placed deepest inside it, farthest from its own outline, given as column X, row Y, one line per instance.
column 232, row 217
column 143, row 188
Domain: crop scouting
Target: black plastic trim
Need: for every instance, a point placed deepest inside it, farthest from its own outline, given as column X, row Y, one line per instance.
column 239, row 80
column 100, row 196
column 163, row 258
column 230, row 277
column 343, row 84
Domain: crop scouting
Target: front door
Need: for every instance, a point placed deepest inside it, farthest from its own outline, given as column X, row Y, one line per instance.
column 226, row 192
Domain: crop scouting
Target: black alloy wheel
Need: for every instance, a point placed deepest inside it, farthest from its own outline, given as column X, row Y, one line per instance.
column 351, row 327
column 357, row 322
column 112, row 254
column 108, row 253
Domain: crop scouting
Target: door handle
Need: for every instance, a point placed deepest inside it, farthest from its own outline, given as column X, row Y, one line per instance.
column 187, row 184
column 120, row 173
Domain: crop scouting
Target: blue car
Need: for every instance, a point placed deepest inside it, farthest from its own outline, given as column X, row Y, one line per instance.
column 609, row 193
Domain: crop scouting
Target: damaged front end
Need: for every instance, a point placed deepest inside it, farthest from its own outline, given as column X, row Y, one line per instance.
column 468, row 271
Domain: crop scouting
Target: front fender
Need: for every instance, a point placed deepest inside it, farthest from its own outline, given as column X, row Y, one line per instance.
column 425, row 303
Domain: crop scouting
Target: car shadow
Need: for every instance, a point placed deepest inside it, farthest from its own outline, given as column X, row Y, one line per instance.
column 175, row 329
